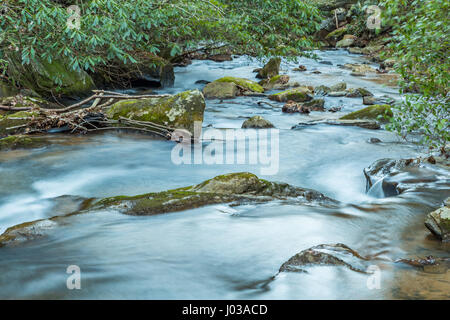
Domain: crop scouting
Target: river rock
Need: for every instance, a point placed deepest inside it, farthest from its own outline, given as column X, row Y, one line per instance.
column 326, row 255
column 301, row 94
column 337, row 94
column 22, row 142
column 344, row 43
column 278, row 82
column 355, row 50
column 357, row 93
column 14, row 120
column 341, row 86
column 271, row 69
column 336, row 34
column 438, row 222
column 234, row 187
column 383, row 100
column 322, row 90
column 366, row 124
column 257, row 122
column 375, row 112
column 220, row 90
column 359, row 68
column 179, row 111
column 301, row 68
column 230, row 87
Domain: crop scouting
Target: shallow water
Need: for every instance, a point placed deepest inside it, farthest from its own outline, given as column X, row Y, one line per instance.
column 220, row 251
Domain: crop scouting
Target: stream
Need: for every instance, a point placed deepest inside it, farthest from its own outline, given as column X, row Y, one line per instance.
column 220, row 251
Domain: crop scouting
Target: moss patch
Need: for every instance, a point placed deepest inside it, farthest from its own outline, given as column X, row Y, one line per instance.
column 21, row 142
column 375, row 112
column 244, row 83
column 301, row 94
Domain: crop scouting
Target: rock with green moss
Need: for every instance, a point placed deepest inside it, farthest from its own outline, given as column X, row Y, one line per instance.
column 220, row 90
column 243, row 84
column 344, row 43
column 438, row 222
column 375, row 112
column 49, row 79
column 271, row 69
column 358, row 93
column 336, row 34
column 257, row 122
column 300, row 94
column 235, row 187
column 338, row 87
column 179, row 111
column 371, row 100
column 8, row 122
column 359, row 68
column 22, row 142
column 275, row 83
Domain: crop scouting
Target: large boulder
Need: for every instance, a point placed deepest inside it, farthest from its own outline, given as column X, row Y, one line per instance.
column 51, row 79
column 257, row 122
column 300, row 94
column 179, row 111
column 375, row 112
column 271, row 69
column 438, row 222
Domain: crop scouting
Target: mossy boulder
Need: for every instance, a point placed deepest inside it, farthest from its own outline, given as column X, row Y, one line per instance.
column 22, row 142
column 300, row 94
column 47, row 79
column 271, row 69
column 220, row 90
column 338, row 87
column 179, row 111
column 243, row 84
column 277, row 82
column 234, row 187
column 14, row 120
column 438, row 222
column 375, row 112
column 336, row 34
column 257, row 122
column 344, row 43
column 358, row 93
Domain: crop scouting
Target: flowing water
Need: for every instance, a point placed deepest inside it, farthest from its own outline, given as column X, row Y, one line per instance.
column 220, row 251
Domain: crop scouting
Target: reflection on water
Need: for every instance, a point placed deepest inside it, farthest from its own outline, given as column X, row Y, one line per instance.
column 219, row 251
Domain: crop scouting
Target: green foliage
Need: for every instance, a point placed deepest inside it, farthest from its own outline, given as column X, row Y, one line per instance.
column 359, row 15
column 420, row 45
column 121, row 30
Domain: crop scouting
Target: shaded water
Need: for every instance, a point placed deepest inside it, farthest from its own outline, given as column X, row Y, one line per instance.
column 220, row 251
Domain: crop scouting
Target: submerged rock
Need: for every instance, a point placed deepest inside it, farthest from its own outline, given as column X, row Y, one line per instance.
column 271, row 69
column 429, row 264
column 383, row 100
column 257, row 122
column 375, row 112
column 300, row 94
column 366, row 124
column 234, row 187
column 179, row 111
column 22, row 142
column 438, row 222
column 326, row 255
column 9, row 121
